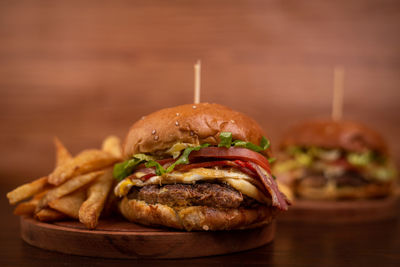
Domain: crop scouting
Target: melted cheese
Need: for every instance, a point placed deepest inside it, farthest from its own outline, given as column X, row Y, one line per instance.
column 248, row 189
column 123, row 187
column 176, row 149
column 200, row 174
column 238, row 180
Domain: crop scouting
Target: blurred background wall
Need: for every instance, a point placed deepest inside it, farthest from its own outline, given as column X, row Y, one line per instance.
column 82, row 70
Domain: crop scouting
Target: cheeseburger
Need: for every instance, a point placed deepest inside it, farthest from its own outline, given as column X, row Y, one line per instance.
column 197, row 167
column 325, row 159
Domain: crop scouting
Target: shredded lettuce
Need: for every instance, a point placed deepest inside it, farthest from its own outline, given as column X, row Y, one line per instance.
column 264, row 144
column 307, row 155
column 226, row 141
column 124, row 169
column 286, row 166
column 143, row 157
column 184, row 158
column 381, row 172
column 176, row 149
column 303, row 159
column 359, row 159
column 159, row 168
column 384, row 173
column 293, row 150
column 373, row 165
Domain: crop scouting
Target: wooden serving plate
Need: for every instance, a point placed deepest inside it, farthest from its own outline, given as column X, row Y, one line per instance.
column 356, row 211
column 122, row 239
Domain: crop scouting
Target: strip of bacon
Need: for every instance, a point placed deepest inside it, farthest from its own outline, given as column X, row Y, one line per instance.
column 148, row 173
column 232, row 153
column 147, row 176
column 278, row 199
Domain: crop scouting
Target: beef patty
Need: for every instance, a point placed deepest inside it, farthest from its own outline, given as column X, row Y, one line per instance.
column 199, row 194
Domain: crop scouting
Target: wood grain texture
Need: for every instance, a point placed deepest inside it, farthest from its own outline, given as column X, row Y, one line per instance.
column 121, row 239
column 299, row 244
column 342, row 212
column 82, row 70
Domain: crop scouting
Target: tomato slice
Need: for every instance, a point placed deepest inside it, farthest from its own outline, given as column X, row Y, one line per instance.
column 232, row 153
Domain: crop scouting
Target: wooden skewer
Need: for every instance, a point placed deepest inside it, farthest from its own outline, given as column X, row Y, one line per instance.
column 337, row 101
column 197, row 76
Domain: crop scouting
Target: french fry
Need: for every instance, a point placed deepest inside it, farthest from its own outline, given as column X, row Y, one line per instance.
column 85, row 162
column 97, row 194
column 69, row 204
column 49, row 215
column 110, row 206
column 62, row 193
column 28, row 207
column 112, row 145
column 68, row 187
column 27, row 190
column 62, row 154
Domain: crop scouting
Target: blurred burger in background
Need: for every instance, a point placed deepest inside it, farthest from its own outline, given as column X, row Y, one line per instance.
column 197, row 167
column 335, row 160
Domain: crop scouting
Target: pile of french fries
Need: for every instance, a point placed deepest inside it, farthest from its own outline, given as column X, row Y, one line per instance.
column 79, row 187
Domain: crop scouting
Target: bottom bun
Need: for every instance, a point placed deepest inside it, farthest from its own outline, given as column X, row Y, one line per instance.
column 195, row 217
column 332, row 192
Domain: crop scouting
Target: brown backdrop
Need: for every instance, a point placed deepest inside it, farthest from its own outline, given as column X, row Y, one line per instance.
column 81, row 70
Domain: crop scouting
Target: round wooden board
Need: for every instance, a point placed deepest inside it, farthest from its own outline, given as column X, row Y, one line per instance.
column 121, row 239
column 356, row 211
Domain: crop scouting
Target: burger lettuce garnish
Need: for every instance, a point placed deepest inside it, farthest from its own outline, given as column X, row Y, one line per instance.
column 242, row 156
column 126, row 168
column 226, row 141
column 371, row 164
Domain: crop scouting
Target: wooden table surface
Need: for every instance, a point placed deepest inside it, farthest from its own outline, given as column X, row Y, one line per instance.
column 84, row 69
column 373, row 244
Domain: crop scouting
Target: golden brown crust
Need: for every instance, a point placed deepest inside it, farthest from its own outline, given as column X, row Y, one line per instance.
column 346, row 135
column 195, row 218
column 334, row 193
column 194, row 124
